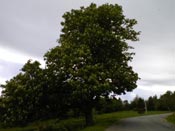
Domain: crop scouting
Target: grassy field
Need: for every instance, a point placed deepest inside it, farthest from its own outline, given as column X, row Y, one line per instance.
column 171, row 118
column 101, row 123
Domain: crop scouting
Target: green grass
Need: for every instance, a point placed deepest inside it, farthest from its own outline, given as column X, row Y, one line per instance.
column 171, row 118
column 105, row 120
column 101, row 122
column 51, row 125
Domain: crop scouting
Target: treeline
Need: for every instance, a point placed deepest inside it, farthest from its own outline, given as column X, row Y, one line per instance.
column 166, row 102
column 39, row 94
column 31, row 95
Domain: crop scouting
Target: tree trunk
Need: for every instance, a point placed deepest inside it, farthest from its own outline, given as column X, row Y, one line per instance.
column 89, row 116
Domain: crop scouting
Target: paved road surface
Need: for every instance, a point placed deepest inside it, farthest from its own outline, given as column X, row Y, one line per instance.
column 144, row 123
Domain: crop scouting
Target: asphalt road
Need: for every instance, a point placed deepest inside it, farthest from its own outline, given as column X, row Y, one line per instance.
column 144, row 123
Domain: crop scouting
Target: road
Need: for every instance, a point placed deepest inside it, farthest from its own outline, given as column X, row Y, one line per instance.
column 144, row 123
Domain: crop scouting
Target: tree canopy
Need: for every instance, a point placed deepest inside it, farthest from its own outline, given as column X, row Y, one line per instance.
column 21, row 95
column 93, row 54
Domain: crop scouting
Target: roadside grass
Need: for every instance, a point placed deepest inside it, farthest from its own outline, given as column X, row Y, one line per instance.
column 171, row 118
column 72, row 124
column 105, row 120
column 102, row 121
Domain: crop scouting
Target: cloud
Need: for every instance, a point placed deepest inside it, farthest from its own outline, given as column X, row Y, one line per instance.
column 11, row 62
column 8, row 70
column 14, row 56
column 29, row 26
column 164, row 82
column 145, row 92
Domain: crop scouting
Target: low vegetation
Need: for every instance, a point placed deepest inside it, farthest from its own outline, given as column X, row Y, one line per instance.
column 171, row 118
column 101, row 123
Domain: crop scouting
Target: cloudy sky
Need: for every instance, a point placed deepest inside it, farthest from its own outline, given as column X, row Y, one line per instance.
column 29, row 28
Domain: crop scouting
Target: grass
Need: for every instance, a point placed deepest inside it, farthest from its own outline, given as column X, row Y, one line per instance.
column 105, row 120
column 51, row 125
column 171, row 118
column 101, row 122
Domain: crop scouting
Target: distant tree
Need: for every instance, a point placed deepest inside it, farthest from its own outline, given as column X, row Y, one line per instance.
column 126, row 105
column 133, row 104
column 173, row 101
column 140, row 105
column 109, row 105
column 166, row 101
column 155, row 101
column 93, row 54
column 152, row 103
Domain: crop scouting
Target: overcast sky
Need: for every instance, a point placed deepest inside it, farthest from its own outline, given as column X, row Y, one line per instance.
column 29, row 28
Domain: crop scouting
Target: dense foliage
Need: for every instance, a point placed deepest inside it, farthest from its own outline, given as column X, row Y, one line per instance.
column 93, row 55
column 21, row 96
column 90, row 63
column 138, row 104
column 30, row 96
column 166, row 102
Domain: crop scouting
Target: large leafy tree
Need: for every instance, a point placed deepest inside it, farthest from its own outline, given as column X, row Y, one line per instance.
column 93, row 55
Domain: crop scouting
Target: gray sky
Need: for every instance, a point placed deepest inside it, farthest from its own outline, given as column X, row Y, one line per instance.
column 29, row 28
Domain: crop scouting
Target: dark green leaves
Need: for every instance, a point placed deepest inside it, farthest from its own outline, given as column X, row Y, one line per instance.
column 93, row 54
